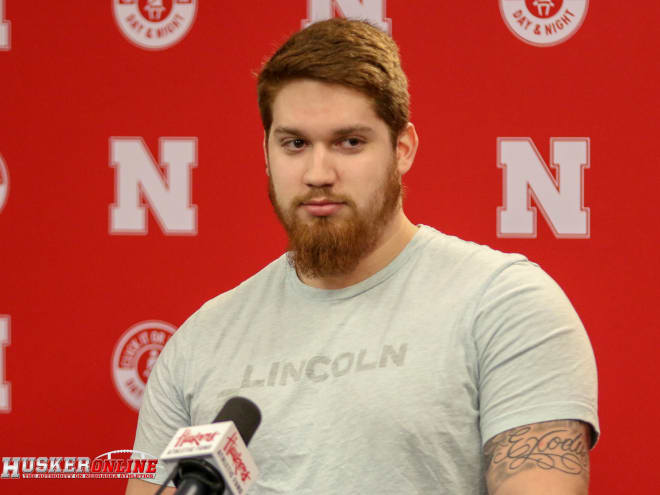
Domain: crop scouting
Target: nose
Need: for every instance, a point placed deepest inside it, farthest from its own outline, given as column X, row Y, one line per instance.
column 319, row 169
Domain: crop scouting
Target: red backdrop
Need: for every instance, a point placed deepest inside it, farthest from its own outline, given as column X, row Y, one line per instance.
column 72, row 285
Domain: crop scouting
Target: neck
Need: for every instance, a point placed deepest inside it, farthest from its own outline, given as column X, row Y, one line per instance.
column 396, row 235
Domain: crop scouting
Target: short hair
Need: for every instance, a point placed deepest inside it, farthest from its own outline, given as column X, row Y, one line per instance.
column 350, row 53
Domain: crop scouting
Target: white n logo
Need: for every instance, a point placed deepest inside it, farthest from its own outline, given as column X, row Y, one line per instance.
column 526, row 175
column 368, row 10
column 5, row 387
column 138, row 177
column 5, row 40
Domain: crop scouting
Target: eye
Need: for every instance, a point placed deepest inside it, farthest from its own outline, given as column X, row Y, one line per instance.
column 294, row 144
column 351, row 143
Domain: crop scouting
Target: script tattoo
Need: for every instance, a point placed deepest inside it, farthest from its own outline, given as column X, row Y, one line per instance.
column 560, row 446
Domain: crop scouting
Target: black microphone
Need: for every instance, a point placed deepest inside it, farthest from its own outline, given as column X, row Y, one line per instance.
column 204, row 453
column 244, row 413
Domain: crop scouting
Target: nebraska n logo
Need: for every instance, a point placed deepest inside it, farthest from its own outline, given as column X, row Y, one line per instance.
column 527, row 176
column 368, row 10
column 139, row 178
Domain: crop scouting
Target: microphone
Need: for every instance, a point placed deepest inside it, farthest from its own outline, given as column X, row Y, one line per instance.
column 205, row 458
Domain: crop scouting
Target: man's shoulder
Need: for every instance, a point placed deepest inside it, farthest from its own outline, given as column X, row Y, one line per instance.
column 448, row 252
column 266, row 279
column 230, row 306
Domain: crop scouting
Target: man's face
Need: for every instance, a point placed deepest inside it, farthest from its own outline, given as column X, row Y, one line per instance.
column 333, row 177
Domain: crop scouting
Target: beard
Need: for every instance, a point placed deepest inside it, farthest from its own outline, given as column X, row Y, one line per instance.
column 325, row 246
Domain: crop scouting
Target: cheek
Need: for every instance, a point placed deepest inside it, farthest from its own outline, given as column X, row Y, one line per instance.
column 283, row 172
column 367, row 184
column 283, row 185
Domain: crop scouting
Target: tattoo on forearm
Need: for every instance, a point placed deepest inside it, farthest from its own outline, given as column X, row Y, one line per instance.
column 553, row 445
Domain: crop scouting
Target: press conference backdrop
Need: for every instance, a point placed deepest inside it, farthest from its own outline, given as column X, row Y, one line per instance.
column 132, row 188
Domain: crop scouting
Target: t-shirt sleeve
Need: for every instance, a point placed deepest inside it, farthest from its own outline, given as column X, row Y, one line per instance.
column 535, row 359
column 164, row 410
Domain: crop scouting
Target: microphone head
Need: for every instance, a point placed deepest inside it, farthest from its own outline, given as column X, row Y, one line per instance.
column 245, row 415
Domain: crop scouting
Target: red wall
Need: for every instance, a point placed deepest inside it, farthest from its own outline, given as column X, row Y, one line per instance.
column 71, row 286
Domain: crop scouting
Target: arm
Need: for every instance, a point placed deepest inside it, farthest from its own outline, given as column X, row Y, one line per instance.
column 548, row 458
column 162, row 413
column 139, row 487
column 536, row 367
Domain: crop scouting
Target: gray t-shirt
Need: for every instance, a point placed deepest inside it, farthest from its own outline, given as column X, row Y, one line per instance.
column 389, row 386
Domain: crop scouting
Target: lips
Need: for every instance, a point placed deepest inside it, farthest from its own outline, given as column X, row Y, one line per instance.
column 321, row 207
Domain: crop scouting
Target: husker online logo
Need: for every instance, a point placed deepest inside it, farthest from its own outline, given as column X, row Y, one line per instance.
column 103, row 466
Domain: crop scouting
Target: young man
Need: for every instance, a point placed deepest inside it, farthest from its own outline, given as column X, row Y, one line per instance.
column 385, row 357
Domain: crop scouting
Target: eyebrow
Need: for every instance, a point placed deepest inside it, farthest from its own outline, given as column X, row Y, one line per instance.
column 342, row 131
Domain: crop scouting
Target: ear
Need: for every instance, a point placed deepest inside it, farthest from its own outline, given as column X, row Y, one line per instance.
column 406, row 148
column 264, row 144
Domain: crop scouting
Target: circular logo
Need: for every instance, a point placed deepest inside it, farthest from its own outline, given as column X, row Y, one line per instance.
column 4, row 183
column 134, row 356
column 543, row 22
column 154, row 24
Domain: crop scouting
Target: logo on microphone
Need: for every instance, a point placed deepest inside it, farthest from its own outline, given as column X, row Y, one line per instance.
column 232, row 450
column 4, row 183
column 134, row 357
column 543, row 22
column 154, row 24
column 188, row 437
